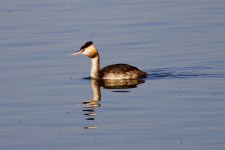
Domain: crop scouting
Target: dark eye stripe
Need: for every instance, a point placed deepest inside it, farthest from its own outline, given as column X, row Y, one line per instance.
column 81, row 50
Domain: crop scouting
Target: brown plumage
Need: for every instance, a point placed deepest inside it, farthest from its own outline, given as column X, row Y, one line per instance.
column 124, row 71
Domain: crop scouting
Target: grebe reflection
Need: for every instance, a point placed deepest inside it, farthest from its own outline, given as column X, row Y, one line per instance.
column 90, row 106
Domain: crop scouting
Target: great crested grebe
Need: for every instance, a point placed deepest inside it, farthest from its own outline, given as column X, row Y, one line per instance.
column 115, row 71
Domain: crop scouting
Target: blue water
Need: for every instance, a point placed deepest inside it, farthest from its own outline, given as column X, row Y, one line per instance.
column 48, row 102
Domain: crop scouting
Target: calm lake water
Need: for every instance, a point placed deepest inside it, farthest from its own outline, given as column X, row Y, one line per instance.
column 47, row 102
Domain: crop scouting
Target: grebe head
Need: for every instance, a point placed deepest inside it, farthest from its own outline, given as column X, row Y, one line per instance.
column 87, row 49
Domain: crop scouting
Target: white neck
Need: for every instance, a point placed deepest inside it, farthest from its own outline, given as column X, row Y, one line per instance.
column 95, row 67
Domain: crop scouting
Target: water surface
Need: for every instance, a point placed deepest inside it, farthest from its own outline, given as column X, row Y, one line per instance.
column 47, row 102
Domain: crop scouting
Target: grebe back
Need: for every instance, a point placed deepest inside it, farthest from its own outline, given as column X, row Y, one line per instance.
column 115, row 71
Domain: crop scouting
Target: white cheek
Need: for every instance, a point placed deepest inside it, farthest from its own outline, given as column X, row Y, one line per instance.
column 85, row 52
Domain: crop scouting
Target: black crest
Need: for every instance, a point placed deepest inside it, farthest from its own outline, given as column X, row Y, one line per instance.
column 87, row 44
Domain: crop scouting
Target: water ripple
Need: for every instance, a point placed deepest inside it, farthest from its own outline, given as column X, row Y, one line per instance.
column 187, row 72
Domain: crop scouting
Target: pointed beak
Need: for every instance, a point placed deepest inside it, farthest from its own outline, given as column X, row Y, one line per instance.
column 77, row 53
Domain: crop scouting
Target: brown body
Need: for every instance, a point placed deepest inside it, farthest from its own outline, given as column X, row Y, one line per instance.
column 121, row 71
